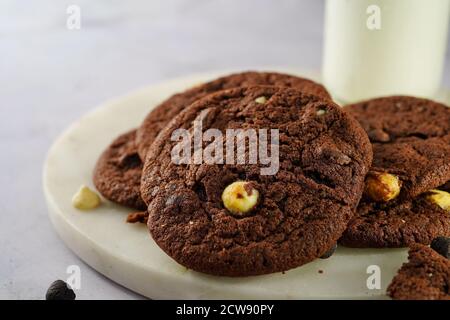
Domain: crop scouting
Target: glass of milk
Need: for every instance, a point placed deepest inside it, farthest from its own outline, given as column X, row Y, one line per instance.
column 384, row 47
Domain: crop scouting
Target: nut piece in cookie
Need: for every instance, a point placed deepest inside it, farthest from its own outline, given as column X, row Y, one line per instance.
column 382, row 186
column 85, row 199
column 441, row 198
column 240, row 198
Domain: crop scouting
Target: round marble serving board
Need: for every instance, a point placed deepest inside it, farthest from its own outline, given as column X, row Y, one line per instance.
column 127, row 254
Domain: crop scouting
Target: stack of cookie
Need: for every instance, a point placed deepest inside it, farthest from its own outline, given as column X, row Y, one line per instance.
column 299, row 178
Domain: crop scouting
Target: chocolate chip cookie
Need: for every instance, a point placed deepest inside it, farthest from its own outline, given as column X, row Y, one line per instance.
column 379, row 225
column 411, row 146
column 232, row 218
column 166, row 111
column 117, row 174
column 410, row 138
column 426, row 276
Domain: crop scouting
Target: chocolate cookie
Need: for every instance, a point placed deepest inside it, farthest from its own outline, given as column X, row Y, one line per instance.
column 379, row 225
column 410, row 138
column 426, row 276
column 411, row 146
column 117, row 174
column 237, row 219
column 166, row 111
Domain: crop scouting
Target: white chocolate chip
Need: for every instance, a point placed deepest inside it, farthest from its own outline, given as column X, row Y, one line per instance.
column 261, row 100
column 240, row 198
column 85, row 199
column 440, row 198
column 382, row 186
column 321, row 112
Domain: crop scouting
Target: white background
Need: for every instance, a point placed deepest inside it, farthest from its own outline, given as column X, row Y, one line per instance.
column 50, row 76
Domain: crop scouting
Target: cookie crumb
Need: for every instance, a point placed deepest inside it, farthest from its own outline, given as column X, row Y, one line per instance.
column 140, row 216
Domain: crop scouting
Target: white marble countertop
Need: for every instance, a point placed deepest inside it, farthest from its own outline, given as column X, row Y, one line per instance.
column 50, row 76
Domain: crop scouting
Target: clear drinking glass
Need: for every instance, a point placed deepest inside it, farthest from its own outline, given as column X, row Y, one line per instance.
column 384, row 47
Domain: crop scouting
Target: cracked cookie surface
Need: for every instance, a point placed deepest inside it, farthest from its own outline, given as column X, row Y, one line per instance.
column 117, row 174
column 302, row 209
column 167, row 110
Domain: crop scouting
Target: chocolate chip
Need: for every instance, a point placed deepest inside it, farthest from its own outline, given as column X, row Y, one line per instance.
column 59, row 290
column 129, row 160
column 329, row 253
column 335, row 155
column 442, row 246
column 378, row 135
